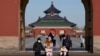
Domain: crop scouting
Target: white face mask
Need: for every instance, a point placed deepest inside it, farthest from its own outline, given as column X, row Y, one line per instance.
column 39, row 41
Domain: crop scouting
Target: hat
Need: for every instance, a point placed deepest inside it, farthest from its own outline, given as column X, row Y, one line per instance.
column 39, row 39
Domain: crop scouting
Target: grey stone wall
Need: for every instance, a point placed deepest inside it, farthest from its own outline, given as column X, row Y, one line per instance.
column 96, row 44
column 9, row 43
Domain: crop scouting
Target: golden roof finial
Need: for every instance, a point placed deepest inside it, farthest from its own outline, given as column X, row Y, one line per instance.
column 52, row 2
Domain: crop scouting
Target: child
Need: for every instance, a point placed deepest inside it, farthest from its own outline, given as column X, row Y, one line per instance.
column 63, row 51
column 48, row 51
column 48, row 47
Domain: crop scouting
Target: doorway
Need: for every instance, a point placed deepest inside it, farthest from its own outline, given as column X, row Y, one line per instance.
column 88, row 26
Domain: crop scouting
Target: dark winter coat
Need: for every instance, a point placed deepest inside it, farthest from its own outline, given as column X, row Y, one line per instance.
column 38, row 46
column 51, row 35
column 67, row 42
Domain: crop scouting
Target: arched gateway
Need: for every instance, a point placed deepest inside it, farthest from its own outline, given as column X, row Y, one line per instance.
column 91, row 32
column 12, row 26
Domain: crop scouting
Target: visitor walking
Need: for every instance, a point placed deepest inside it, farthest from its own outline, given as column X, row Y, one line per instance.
column 61, row 36
column 38, row 47
column 52, row 38
column 67, row 42
column 81, row 41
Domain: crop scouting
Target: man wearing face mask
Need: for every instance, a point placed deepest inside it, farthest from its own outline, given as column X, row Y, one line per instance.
column 38, row 47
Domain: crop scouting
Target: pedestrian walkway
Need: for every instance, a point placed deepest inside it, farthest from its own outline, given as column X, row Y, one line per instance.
column 75, row 43
column 30, row 53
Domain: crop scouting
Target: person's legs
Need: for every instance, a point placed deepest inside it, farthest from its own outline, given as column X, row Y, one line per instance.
column 62, row 53
column 60, row 37
column 49, row 54
column 37, row 54
column 65, row 53
column 82, row 45
column 54, row 42
column 68, row 48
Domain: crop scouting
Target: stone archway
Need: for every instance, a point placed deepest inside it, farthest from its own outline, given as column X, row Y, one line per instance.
column 23, row 4
column 88, row 28
column 89, row 24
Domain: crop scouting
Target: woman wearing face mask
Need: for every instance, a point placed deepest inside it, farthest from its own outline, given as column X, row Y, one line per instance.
column 38, row 47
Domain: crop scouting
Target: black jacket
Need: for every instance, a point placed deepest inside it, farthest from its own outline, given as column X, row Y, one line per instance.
column 67, row 42
column 38, row 46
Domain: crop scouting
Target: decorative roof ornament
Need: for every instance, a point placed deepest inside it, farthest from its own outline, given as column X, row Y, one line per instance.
column 52, row 9
column 52, row 2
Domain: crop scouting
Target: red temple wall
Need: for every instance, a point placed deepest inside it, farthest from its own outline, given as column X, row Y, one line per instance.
column 48, row 30
column 9, row 17
column 96, row 17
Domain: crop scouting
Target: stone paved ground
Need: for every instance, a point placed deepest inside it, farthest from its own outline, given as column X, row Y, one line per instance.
column 29, row 42
column 55, row 54
column 75, row 43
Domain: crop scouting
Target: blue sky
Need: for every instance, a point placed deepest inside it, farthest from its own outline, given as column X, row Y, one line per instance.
column 72, row 9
